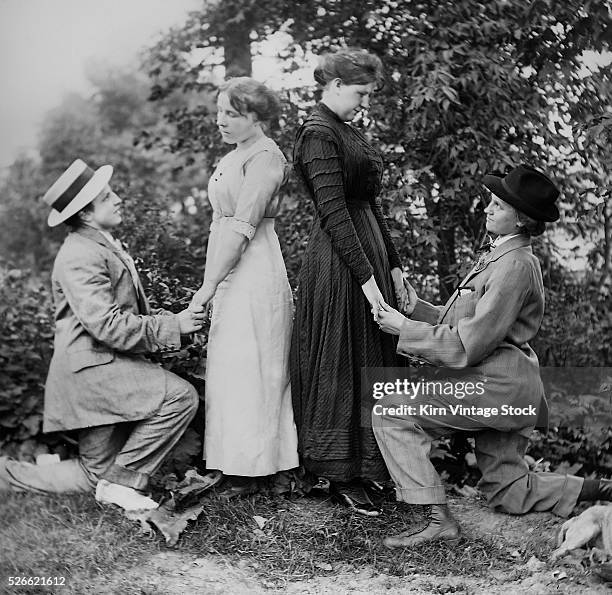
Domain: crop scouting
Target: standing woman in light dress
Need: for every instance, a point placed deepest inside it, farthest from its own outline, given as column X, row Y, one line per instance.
column 250, row 430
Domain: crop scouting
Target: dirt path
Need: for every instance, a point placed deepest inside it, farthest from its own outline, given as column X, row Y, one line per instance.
column 174, row 572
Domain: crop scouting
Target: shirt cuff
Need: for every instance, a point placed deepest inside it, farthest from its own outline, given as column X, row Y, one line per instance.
column 242, row 227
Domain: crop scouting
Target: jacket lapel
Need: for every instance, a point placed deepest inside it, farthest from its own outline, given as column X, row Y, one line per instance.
column 515, row 243
column 93, row 234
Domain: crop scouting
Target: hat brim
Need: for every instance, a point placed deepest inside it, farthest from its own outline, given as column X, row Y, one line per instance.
column 494, row 184
column 100, row 178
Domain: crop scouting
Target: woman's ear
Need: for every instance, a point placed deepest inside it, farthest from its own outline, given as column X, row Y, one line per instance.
column 335, row 84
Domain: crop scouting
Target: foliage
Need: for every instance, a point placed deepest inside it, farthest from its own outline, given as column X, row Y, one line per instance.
column 26, row 343
column 472, row 88
column 577, row 325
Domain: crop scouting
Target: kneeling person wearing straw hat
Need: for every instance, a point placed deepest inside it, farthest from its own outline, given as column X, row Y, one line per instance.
column 129, row 411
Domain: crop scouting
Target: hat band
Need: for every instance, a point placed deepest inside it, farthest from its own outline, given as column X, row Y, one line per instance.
column 510, row 191
column 71, row 192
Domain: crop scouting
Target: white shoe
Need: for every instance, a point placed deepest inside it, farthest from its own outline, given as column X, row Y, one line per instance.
column 127, row 498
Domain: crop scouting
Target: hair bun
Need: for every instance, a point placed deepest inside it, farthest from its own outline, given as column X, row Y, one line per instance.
column 352, row 66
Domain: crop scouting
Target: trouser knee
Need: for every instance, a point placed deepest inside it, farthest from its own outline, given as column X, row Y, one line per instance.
column 192, row 399
column 188, row 398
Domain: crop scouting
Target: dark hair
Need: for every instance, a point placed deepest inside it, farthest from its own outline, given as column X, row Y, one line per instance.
column 352, row 66
column 248, row 95
column 75, row 221
column 528, row 225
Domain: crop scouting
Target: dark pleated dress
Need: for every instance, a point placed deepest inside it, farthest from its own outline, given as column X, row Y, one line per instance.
column 334, row 334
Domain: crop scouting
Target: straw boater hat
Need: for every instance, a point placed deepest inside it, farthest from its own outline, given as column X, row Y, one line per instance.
column 75, row 189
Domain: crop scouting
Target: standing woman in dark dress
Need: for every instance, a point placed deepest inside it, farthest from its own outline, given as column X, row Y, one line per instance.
column 349, row 270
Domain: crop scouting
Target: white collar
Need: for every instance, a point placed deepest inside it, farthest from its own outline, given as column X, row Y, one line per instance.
column 499, row 240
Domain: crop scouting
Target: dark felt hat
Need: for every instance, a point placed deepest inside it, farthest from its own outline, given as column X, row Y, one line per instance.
column 527, row 190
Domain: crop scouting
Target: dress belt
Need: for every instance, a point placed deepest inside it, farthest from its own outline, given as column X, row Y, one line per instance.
column 357, row 204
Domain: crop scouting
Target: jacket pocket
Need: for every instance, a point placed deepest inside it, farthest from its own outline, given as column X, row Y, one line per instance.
column 78, row 360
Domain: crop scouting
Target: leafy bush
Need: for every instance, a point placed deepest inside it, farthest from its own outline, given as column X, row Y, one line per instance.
column 26, row 344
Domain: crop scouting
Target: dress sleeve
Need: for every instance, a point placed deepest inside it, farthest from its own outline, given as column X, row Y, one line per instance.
column 394, row 259
column 264, row 174
column 321, row 164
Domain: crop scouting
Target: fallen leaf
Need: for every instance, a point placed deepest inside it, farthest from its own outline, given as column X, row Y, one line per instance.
column 195, row 484
column 261, row 522
column 170, row 524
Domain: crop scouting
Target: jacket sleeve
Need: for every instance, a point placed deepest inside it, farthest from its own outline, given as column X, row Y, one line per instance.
column 86, row 284
column 472, row 338
column 321, row 164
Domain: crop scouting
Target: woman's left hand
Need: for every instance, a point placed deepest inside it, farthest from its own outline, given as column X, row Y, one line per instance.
column 390, row 320
column 401, row 293
column 404, row 292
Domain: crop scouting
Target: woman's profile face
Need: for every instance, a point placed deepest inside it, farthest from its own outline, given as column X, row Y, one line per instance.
column 350, row 99
column 234, row 126
column 501, row 217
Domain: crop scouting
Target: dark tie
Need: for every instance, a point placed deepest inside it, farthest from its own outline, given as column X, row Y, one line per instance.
column 484, row 248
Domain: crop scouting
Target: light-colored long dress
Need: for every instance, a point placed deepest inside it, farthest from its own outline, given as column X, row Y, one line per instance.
column 249, row 418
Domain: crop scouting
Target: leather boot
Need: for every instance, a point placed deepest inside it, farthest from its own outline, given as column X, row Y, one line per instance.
column 442, row 526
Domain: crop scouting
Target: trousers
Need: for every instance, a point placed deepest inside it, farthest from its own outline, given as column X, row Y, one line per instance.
column 124, row 453
column 508, row 485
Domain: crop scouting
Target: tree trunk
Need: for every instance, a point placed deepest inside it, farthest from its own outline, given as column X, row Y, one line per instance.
column 237, row 50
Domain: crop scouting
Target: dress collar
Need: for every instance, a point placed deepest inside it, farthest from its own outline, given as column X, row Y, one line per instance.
column 329, row 112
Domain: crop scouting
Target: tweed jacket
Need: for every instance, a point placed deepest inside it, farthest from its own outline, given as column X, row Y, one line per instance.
column 486, row 325
column 103, row 326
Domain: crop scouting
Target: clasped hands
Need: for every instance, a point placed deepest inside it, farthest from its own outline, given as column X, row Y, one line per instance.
column 389, row 319
column 193, row 317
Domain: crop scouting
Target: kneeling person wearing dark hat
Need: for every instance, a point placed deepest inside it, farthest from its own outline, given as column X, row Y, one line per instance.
column 129, row 411
column 486, row 325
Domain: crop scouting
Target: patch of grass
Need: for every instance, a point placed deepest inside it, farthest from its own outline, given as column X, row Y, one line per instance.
column 73, row 536
column 303, row 537
column 67, row 536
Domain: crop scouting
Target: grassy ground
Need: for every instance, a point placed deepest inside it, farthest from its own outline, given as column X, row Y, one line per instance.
column 75, row 538
column 69, row 536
